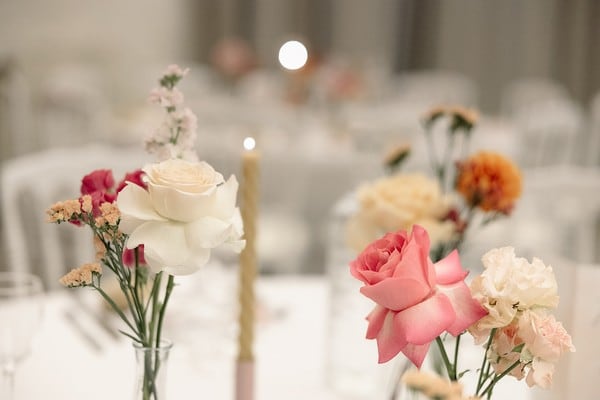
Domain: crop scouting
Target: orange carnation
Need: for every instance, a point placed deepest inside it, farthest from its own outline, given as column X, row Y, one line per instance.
column 489, row 181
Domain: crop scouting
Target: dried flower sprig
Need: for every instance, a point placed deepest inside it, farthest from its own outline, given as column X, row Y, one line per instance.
column 176, row 136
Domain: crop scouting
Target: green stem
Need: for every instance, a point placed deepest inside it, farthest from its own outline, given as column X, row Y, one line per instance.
column 481, row 379
column 447, row 159
column 498, row 377
column 155, row 309
column 117, row 309
column 169, row 290
column 432, row 158
column 456, row 346
column 449, row 368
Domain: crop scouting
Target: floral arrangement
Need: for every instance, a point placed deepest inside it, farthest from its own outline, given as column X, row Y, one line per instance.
column 233, row 58
column 419, row 285
column 158, row 222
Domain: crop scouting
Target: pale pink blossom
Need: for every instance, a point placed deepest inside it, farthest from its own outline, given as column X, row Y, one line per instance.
column 502, row 355
column 545, row 341
column 166, row 97
column 176, row 70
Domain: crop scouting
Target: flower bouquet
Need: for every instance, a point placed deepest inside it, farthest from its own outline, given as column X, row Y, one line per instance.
column 419, row 284
column 158, row 222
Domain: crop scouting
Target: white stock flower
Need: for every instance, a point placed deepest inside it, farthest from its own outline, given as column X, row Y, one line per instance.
column 176, row 70
column 166, row 97
column 187, row 211
column 399, row 202
column 509, row 285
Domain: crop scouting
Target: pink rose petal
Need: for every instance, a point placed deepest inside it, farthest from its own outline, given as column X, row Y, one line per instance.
column 416, row 353
column 449, row 270
column 468, row 310
column 389, row 342
column 425, row 321
column 397, row 293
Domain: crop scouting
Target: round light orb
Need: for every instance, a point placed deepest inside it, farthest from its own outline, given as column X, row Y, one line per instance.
column 249, row 143
column 293, row 55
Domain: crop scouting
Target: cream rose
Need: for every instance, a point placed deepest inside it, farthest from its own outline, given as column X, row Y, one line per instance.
column 399, row 202
column 187, row 211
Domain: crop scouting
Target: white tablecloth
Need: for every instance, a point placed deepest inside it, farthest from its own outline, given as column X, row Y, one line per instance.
column 290, row 348
column 289, row 351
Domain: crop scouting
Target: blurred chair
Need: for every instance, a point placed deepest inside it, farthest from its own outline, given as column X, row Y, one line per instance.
column 71, row 107
column 435, row 87
column 31, row 184
column 521, row 94
column 551, row 131
column 16, row 133
column 593, row 139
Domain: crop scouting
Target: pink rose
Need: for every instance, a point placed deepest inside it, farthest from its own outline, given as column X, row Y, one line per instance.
column 417, row 300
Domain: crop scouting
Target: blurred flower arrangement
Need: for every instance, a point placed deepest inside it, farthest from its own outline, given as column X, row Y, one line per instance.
column 414, row 274
column 158, row 222
column 233, row 58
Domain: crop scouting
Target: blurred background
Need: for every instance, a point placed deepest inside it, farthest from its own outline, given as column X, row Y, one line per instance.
column 75, row 73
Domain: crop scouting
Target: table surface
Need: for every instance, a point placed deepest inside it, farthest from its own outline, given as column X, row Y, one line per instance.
column 290, row 347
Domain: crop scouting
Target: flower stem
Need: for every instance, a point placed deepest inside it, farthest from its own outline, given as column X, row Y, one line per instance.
column 456, row 347
column 449, row 368
column 498, row 377
column 481, row 380
column 117, row 309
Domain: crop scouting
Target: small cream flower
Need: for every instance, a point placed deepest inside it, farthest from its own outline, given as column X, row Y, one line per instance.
column 81, row 276
column 86, row 203
column 99, row 247
column 433, row 386
column 109, row 214
column 63, row 210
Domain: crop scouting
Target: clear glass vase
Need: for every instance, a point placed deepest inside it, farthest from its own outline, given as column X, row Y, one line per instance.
column 151, row 371
column 352, row 366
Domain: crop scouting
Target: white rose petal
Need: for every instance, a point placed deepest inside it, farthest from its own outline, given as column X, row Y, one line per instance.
column 166, row 247
column 136, row 207
column 186, row 212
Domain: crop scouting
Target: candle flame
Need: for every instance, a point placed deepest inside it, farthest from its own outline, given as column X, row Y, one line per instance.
column 249, row 143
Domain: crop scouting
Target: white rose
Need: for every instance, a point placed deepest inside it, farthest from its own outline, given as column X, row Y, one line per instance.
column 399, row 202
column 187, row 211
column 509, row 285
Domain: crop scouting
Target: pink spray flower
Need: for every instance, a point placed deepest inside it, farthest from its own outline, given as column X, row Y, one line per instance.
column 417, row 300
column 99, row 184
column 133, row 177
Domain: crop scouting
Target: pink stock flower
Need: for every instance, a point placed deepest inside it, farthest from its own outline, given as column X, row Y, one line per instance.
column 417, row 300
column 100, row 185
column 129, row 256
column 100, row 180
column 133, row 177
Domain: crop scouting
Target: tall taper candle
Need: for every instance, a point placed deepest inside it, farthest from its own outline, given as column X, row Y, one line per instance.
column 249, row 210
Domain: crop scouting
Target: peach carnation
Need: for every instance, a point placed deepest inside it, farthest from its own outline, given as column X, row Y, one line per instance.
column 489, row 181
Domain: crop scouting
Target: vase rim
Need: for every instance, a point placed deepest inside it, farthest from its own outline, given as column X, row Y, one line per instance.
column 165, row 344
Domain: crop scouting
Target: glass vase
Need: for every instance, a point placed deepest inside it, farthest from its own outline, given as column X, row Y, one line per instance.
column 357, row 376
column 151, row 371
